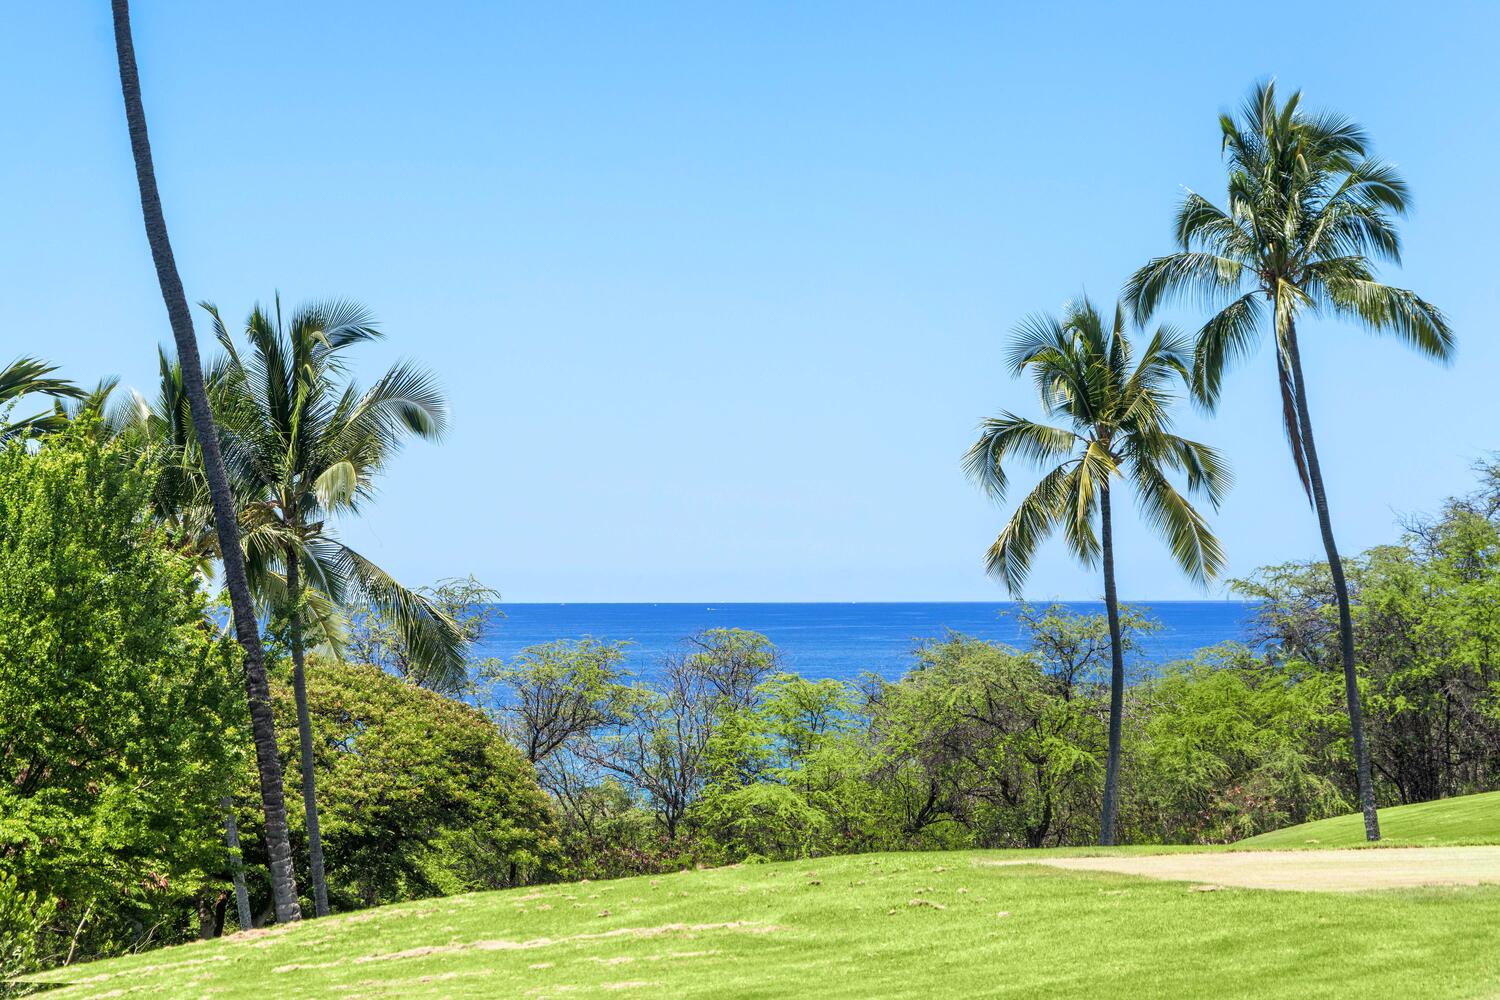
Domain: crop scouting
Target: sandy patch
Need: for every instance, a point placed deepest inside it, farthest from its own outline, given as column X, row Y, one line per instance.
column 1307, row 871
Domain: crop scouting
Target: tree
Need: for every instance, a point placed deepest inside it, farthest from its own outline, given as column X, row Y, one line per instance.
column 1000, row 745
column 657, row 741
column 1118, row 425
column 306, row 445
column 553, row 694
column 1308, row 209
column 226, row 523
column 24, row 377
column 120, row 722
column 788, row 773
column 1231, row 745
column 420, row 794
column 658, row 745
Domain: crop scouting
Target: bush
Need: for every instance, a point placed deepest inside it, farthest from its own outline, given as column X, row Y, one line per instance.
column 419, row 794
column 120, row 708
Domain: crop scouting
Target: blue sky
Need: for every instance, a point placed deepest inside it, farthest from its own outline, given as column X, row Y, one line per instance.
column 720, row 293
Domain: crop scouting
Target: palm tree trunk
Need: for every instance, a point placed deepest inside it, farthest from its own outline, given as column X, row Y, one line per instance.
column 1340, row 590
column 226, row 522
column 305, row 735
column 1110, row 807
column 236, row 864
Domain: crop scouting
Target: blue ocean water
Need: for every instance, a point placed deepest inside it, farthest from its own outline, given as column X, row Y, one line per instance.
column 833, row 640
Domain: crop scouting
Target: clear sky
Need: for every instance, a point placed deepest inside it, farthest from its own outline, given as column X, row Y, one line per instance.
column 719, row 292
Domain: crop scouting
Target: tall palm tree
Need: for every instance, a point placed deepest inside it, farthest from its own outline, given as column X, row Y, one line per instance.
column 25, row 377
column 305, row 446
column 268, row 763
column 1117, row 425
column 1308, row 209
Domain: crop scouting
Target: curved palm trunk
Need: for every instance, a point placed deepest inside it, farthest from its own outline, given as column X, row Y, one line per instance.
column 226, row 522
column 1110, row 807
column 1340, row 590
column 304, row 734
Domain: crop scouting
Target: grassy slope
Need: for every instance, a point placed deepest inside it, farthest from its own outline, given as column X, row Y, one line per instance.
column 1470, row 819
column 847, row 927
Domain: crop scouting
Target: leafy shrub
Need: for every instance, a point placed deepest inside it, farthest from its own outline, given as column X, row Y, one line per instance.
column 120, row 707
column 419, row 794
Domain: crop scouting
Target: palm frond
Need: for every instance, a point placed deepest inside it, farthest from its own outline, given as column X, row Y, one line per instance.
column 435, row 642
column 1008, row 436
column 1202, row 278
column 1185, row 531
column 1228, row 336
column 1386, row 309
column 1081, row 502
column 25, row 376
column 1035, row 517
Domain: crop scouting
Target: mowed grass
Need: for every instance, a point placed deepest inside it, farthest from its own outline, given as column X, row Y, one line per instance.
column 891, row 925
column 1464, row 821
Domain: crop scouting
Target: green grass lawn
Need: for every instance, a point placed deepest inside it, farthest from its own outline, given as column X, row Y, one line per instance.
column 1467, row 820
column 918, row 925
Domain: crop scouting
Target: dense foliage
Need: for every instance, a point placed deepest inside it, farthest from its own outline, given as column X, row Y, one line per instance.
column 978, row 745
column 1427, row 635
column 120, row 712
column 987, row 746
column 420, row 795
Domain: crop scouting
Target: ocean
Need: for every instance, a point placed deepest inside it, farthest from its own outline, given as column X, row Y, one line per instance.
column 839, row 641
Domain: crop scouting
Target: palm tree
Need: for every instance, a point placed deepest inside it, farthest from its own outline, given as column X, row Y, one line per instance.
column 306, row 445
column 162, row 428
column 1117, row 425
column 268, row 763
column 30, row 376
column 1308, row 208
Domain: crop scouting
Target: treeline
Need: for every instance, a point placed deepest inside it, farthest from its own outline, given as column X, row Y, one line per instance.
column 124, row 742
column 723, row 755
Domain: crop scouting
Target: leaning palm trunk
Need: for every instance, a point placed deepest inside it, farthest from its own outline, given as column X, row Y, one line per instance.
column 305, row 737
column 268, row 762
column 1340, row 590
column 1110, row 807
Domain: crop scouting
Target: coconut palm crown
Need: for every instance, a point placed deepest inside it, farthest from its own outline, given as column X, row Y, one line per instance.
column 1116, row 424
column 1308, row 209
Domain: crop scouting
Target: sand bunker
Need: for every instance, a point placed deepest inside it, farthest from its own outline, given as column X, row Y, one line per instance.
column 1314, row 871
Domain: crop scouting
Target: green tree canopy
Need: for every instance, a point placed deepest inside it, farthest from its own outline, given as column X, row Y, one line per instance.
column 419, row 794
column 121, row 716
